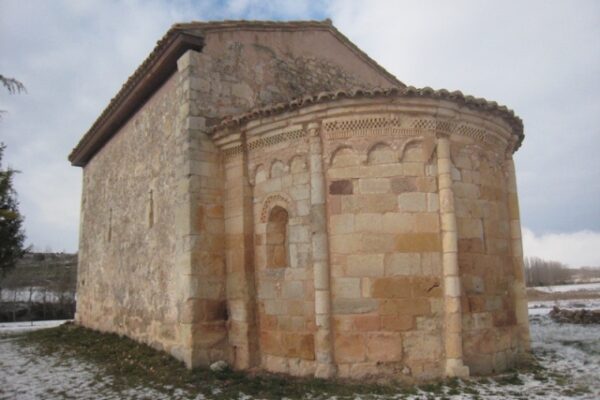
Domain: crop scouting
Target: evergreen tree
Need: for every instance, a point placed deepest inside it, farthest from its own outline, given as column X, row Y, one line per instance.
column 11, row 231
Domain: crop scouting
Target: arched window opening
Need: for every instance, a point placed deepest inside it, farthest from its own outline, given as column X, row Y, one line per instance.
column 277, row 238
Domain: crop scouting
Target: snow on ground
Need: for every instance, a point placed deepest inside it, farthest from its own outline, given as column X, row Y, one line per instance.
column 544, row 307
column 14, row 327
column 569, row 349
column 25, row 375
column 569, row 288
column 34, row 294
column 569, row 354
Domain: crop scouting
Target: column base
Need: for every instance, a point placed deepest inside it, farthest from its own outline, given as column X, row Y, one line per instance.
column 456, row 369
column 325, row 371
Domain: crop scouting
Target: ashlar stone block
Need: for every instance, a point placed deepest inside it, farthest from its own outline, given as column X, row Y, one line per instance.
column 368, row 222
column 418, row 242
column 350, row 348
column 354, row 306
column 392, row 287
column 384, row 347
column 402, row 184
column 292, row 290
column 346, row 288
column 369, row 203
column 374, row 185
column 378, row 242
column 412, row 202
column 402, row 264
column 341, row 223
column 397, row 322
column 345, row 244
column 397, row 222
column 362, row 265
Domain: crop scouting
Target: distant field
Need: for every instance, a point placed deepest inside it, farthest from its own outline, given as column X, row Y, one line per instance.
column 41, row 286
column 564, row 292
column 576, row 287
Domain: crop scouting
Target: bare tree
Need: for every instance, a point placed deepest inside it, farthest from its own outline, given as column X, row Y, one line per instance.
column 12, row 85
column 541, row 272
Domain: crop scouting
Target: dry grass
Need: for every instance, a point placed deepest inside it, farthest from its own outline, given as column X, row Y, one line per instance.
column 134, row 364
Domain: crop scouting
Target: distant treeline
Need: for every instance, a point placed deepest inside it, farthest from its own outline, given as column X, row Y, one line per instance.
column 41, row 286
column 539, row 272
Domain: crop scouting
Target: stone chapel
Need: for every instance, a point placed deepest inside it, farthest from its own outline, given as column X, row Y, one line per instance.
column 266, row 194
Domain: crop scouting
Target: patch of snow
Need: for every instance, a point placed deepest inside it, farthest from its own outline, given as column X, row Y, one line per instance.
column 35, row 294
column 567, row 350
column 27, row 375
column 544, row 307
column 569, row 288
column 13, row 327
column 219, row 366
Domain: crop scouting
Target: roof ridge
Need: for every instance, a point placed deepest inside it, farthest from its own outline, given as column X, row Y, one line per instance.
column 222, row 24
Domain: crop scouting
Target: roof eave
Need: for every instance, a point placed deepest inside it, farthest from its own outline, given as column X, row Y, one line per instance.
column 135, row 93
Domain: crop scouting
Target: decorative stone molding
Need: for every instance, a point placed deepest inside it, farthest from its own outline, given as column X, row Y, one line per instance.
column 262, row 142
column 370, row 126
column 276, row 199
column 232, row 151
column 470, row 102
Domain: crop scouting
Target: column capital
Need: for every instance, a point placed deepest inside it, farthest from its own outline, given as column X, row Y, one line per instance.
column 313, row 128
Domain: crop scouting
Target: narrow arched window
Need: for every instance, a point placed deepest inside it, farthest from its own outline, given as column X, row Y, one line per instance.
column 277, row 238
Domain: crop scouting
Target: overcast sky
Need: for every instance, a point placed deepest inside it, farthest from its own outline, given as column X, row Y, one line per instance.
column 540, row 58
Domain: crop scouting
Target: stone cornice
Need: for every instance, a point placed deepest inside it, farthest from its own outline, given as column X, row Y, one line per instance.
column 153, row 72
column 477, row 104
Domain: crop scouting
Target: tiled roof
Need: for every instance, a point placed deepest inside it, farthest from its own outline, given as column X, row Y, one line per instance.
column 162, row 61
column 456, row 96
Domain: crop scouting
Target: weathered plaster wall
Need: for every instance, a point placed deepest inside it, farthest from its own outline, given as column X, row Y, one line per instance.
column 126, row 280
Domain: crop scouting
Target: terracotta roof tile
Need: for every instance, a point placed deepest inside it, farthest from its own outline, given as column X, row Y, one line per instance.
column 471, row 102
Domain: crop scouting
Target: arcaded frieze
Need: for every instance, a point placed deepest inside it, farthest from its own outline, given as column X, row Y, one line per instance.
column 394, row 124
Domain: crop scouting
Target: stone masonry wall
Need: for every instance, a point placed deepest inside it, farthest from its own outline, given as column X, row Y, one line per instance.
column 235, row 72
column 285, row 294
column 420, row 277
column 242, row 70
column 157, row 189
column 361, row 237
column 485, row 258
column 126, row 278
column 385, row 249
